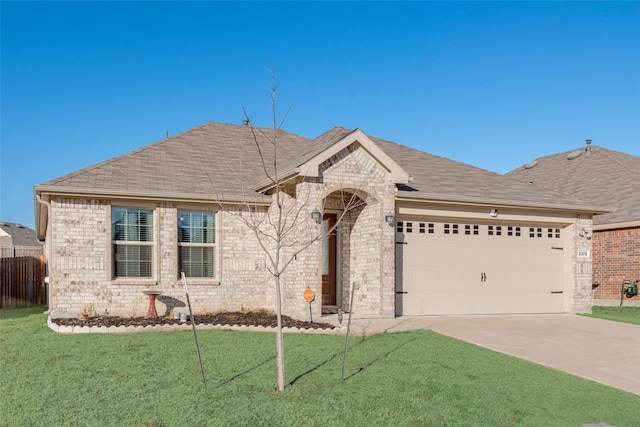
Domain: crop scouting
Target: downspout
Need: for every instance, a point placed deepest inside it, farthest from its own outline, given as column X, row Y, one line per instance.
column 45, row 248
column 48, row 205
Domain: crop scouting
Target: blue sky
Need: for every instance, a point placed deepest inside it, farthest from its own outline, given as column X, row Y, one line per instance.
column 492, row 84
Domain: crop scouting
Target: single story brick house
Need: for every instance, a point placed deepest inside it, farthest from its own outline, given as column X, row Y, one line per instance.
column 604, row 177
column 430, row 236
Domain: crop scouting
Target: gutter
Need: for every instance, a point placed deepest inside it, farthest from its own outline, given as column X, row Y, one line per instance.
column 616, row 225
column 268, row 184
column 403, row 196
column 40, row 202
column 149, row 195
column 43, row 194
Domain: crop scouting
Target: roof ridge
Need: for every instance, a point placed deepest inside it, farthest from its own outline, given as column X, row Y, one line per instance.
column 603, row 150
column 607, row 153
column 332, row 131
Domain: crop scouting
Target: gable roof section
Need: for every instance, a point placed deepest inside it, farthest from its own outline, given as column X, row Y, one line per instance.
column 397, row 174
column 602, row 176
column 307, row 161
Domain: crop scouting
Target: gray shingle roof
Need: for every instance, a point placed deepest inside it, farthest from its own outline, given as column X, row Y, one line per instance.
column 436, row 176
column 21, row 235
column 221, row 161
column 602, row 176
column 214, row 159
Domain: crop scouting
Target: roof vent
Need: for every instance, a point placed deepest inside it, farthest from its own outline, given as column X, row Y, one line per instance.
column 588, row 145
column 574, row 154
column 531, row 165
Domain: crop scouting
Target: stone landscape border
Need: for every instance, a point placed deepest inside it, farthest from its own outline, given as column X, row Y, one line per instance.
column 183, row 327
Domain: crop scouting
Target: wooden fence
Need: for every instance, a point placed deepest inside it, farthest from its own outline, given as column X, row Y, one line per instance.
column 22, row 281
column 17, row 251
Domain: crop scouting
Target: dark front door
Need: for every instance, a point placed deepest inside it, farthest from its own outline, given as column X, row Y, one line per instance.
column 329, row 261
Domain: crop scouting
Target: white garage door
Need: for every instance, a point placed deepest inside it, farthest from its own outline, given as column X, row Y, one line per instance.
column 474, row 268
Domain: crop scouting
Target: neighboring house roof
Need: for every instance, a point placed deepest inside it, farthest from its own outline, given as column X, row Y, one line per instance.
column 221, row 162
column 596, row 174
column 20, row 235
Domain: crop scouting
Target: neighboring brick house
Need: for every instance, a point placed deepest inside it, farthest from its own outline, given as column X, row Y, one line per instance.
column 16, row 240
column 608, row 178
column 429, row 235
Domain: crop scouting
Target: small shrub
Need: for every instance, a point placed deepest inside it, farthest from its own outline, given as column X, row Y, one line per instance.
column 88, row 312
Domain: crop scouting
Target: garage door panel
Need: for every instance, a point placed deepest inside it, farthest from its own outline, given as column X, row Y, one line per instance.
column 478, row 269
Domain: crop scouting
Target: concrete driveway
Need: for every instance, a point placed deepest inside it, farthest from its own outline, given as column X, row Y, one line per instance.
column 600, row 350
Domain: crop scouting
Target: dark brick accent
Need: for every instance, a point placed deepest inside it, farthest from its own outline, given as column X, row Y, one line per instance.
column 616, row 257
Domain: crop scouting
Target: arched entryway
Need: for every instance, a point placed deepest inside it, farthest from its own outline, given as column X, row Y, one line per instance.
column 345, row 234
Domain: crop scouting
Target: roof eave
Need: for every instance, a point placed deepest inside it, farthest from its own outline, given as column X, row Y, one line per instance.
column 43, row 194
column 493, row 202
column 269, row 183
column 617, row 225
column 47, row 191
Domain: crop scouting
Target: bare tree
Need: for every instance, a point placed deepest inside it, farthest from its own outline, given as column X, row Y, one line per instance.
column 283, row 231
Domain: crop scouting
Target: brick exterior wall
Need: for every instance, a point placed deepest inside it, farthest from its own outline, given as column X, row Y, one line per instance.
column 79, row 248
column 368, row 245
column 80, row 252
column 581, row 299
column 80, row 265
column 616, row 257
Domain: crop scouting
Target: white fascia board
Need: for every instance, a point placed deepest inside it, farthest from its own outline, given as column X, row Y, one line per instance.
column 46, row 192
column 498, row 203
column 268, row 184
column 616, row 225
column 504, row 216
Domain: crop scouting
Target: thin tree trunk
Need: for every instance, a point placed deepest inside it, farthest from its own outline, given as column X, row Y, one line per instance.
column 279, row 337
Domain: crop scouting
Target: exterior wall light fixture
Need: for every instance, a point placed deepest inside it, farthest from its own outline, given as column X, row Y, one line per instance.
column 584, row 233
column 315, row 215
column 389, row 219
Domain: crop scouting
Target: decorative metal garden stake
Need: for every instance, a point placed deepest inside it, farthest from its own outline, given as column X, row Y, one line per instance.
column 309, row 296
column 193, row 325
column 346, row 341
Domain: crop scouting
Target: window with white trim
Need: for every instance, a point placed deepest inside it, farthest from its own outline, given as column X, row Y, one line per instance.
column 132, row 240
column 196, row 243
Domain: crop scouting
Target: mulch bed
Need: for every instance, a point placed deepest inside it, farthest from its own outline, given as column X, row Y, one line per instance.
column 254, row 318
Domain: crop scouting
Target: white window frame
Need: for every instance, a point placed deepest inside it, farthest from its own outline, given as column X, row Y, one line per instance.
column 214, row 246
column 151, row 244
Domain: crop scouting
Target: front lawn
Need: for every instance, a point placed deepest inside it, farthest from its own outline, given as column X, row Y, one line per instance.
column 618, row 314
column 416, row 378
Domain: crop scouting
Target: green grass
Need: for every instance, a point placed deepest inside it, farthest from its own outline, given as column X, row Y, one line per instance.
column 618, row 314
column 416, row 378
